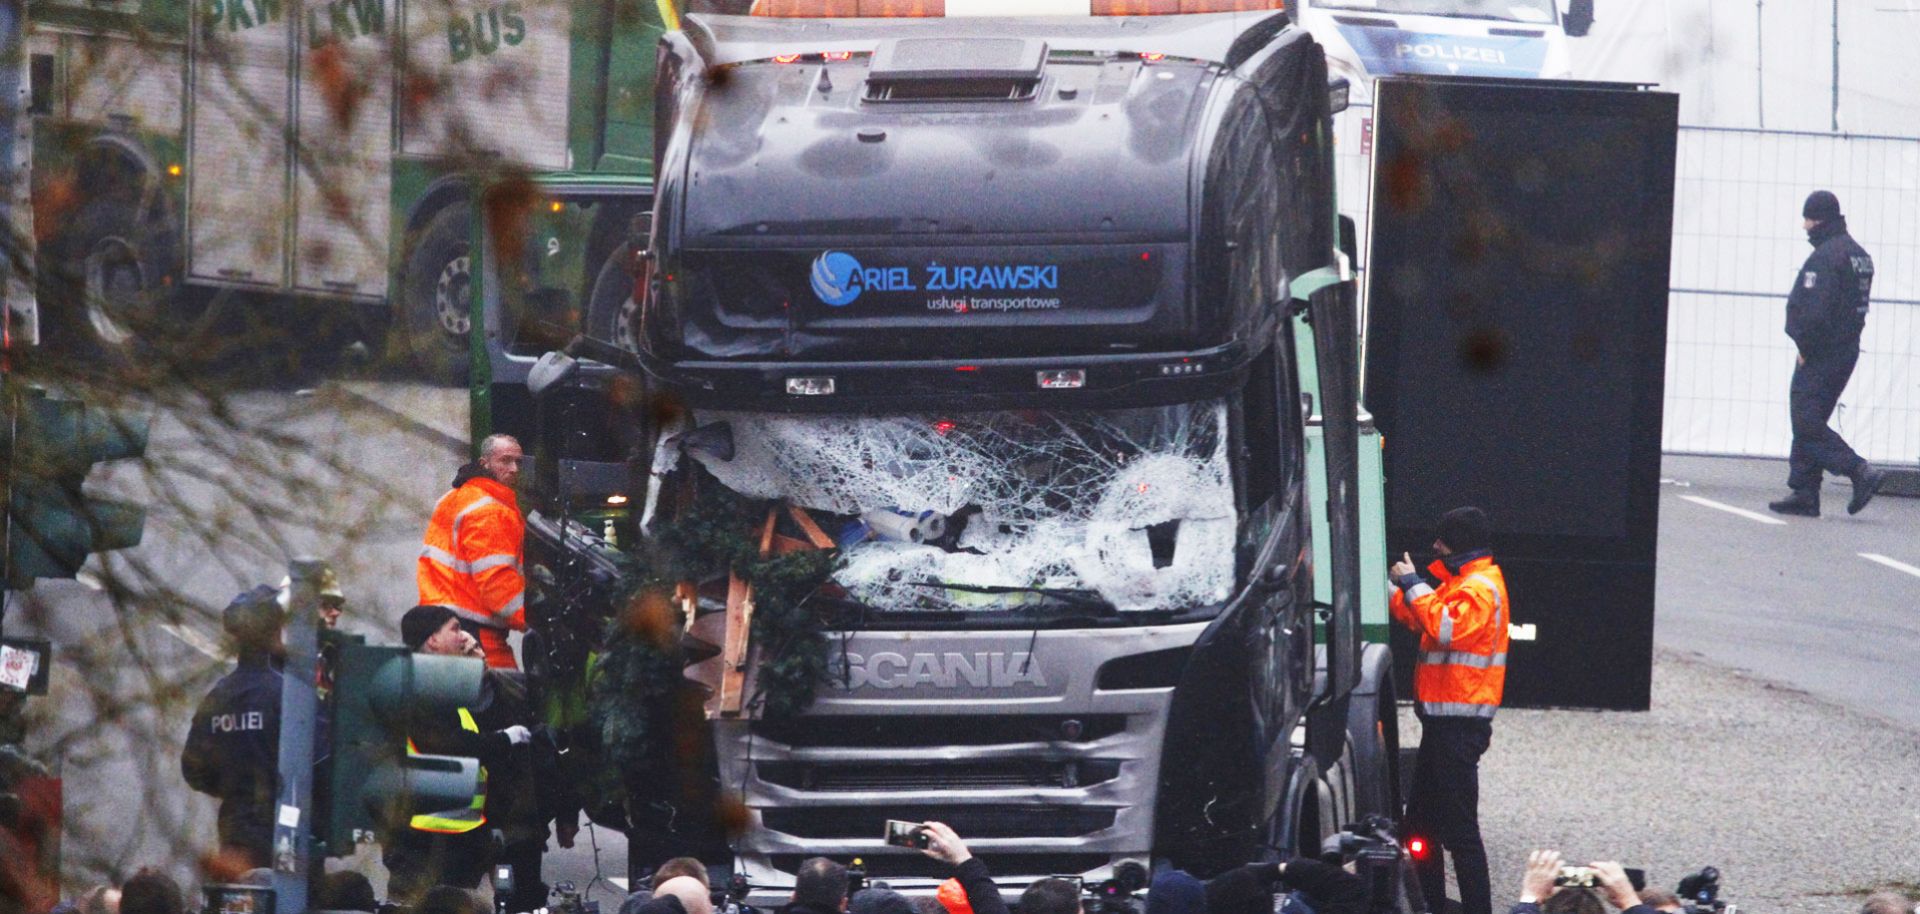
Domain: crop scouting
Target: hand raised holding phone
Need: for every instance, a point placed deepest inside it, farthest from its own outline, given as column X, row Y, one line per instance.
column 934, row 839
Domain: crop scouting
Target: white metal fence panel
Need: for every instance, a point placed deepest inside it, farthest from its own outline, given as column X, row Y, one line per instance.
column 1737, row 246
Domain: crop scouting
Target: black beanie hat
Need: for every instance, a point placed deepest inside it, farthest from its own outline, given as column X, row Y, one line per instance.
column 1463, row 529
column 254, row 618
column 1821, row 205
column 420, row 623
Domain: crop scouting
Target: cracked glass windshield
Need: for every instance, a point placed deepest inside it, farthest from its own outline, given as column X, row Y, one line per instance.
column 1109, row 510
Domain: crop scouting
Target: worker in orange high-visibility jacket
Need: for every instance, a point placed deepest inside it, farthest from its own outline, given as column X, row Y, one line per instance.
column 1461, row 619
column 471, row 561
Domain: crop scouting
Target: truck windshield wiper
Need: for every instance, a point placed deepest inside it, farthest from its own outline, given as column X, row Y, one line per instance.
column 1070, row 595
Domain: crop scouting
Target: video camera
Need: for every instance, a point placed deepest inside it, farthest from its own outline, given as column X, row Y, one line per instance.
column 731, row 898
column 1116, row 895
column 569, row 900
column 1380, row 862
column 1700, row 893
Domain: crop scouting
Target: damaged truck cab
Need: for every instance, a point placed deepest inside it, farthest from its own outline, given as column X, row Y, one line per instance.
column 1009, row 311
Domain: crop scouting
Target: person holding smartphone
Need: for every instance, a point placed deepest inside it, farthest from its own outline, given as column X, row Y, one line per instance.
column 1542, row 880
column 1458, row 682
column 941, row 843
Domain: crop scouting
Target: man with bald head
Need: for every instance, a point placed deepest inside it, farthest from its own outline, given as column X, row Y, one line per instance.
column 471, row 560
column 692, row 894
column 678, row 895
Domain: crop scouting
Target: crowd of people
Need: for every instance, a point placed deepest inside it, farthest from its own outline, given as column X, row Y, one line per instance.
column 823, row 886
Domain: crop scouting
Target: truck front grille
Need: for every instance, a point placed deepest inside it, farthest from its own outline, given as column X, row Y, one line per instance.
column 909, row 866
column 985, row 821
column 991, row 775
column 887, row 731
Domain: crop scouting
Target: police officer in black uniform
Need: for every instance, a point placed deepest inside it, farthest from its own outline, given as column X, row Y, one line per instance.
column 1826, row 311
column 233, row 750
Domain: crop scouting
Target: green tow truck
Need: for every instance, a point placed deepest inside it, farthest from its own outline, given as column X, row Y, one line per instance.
column 279, row 160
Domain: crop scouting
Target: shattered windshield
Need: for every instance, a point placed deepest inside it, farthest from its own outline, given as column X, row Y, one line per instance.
column 1536, row 11
column 1130, row 509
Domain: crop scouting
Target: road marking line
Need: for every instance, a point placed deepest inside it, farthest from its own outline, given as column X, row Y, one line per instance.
column 1894, row 564
column 1749, row 515
column 193, row 639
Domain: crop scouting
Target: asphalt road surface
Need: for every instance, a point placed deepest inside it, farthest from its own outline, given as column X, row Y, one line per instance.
column 1830, row 605
column 349, row 472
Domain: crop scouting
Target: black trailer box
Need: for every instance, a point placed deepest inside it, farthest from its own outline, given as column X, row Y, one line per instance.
column 1516, row 335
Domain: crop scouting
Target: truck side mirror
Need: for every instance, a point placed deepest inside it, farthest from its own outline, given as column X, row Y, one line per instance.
column 1338, row 90
column 1273, row 578
column 1579, row 19
column 552, row 369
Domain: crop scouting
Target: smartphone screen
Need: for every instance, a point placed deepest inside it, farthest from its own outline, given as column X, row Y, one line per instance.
column 905, row 834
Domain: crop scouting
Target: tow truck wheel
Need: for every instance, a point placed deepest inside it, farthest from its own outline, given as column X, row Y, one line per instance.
column 613, row 313
column 116, row 286
column 436, row 307
column 121, row 301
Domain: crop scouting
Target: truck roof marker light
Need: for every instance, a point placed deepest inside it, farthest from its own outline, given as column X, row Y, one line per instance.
column 837, row 55
column 616, row 499
column 556, row 206
column 786, row 58
column 1061, row 378
column 1153, row 56
column 819, row 386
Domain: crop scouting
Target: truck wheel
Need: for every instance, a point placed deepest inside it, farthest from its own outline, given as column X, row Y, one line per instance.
column 120, row 297
column 613, row 313
column 435, row 304
column 1310, row 811
column 1373, row 746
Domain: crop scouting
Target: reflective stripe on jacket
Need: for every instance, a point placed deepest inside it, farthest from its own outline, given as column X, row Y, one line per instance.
column 1462, row 670
column 456, row 821
column 471, row 559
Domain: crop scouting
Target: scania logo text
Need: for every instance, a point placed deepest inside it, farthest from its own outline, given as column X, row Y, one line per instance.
column 979, row 669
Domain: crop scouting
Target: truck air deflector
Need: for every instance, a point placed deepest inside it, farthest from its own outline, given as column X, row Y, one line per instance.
column 1213, row 37
column 955, row 69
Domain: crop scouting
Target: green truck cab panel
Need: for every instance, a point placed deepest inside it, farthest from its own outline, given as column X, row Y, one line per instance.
column 1372, row 504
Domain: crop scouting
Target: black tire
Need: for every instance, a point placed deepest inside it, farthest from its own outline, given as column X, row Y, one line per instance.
column 431, row 330
column 613, row 315
column 1373, row 745
column 113, row 292
column 1299, row 823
